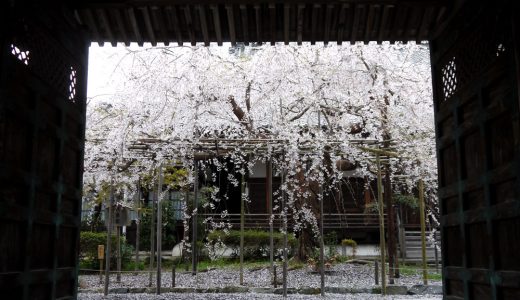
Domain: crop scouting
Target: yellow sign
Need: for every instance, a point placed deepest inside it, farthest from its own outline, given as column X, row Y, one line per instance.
column 101, row 251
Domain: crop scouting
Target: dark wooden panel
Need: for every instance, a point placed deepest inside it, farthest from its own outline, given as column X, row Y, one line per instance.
column 43, row 99
column 477, row 134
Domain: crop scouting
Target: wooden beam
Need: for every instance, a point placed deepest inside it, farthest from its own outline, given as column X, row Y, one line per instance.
column 314, row 22
column 328, row 20
column 189, row 24
column 173, row 19
column 122, row 28
column 158, row 15
column 203, row 24
column 108, row 29
column 342, row 23
column 216, row 23
column 358, row 10
column 231, row 22
column 424, row 28
column 149, row 26
column 370, row 22
column 89, row 19
column 286, row 22
column 258, row 19
column 272, row 22
column 135, row 26
column 245, row 25
column 299, row 27
column 387, row 9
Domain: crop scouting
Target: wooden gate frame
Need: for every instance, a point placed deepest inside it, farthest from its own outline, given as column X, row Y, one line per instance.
column 478, row 141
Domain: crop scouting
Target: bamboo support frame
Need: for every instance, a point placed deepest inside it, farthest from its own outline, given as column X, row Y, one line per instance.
column 423, row 233
column 159, row 229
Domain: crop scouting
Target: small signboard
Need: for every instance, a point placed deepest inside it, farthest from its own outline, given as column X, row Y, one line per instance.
column 101, row 251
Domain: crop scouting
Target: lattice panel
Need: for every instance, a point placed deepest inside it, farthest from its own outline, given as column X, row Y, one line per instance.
column 52, row 63
column 472, row 55
column 22, row 55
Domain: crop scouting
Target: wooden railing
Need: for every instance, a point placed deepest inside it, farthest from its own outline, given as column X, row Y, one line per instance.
column 330, row 221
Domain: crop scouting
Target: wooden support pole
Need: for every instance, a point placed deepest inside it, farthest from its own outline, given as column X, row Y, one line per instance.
column 381, row 223
column 109, row 242
column 392, row 247
column 118, row 253
column 269, row 199
column 436, row 252
column 194, row 219
column 284, row 221
column 173, row 276
column 159, row 228
column 152, row 240
column 322, row 244
column 376, row 272
column 423, row 232
column 242, row 211
column 138, row 225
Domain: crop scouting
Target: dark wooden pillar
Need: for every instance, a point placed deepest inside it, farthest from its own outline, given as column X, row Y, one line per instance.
column 478, row 144
column 43, row 76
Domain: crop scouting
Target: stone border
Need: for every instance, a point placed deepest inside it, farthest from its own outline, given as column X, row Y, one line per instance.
column 390, row 290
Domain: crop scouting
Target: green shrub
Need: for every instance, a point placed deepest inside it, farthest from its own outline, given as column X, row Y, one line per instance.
column 256, row 242
column 350, row 243
column 407, row 200
column 88, row 247
column 330, row 238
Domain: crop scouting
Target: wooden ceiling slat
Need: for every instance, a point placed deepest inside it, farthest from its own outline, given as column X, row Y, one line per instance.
column 384, row 21
column 272, row 22
column 314, row 22
column 189, row 24
column 106, row 25
column 328, row 20
column 89, row 19
column 173, row 20
column 158, row 16
column 135, row 26
column 355, row 25
column 369, row 24
column 245, row 24
column 148, row 24
column 378, row 15
column 299, row 27
column 342, row 23
column 286, row 23
column 203, row 24
column 216, row 23
column 116, row 14
column 424, row 28
column 258, row 20
column 231, row 23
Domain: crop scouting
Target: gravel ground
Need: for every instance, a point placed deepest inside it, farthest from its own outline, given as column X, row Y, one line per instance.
column 343, row 275
column 250, row 296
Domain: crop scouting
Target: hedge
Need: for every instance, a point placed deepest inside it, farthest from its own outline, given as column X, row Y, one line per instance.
column 88, row 247
column 256, row 242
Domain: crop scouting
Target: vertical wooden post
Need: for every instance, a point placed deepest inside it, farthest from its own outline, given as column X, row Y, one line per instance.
column 284, row 212
column 152, row 240
column 423, row 231
column 159, row 229
column 275, row 280
column 269, row 195
column 391, row 226
column 118, row 253
column 194, row 219
column 322, row 244
column 436, row 252
column 109, row 240
column 381, row 223
column 242, row 191
column 376, row 272
column 173, row 276
column 138, row 225
column 101, row 255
